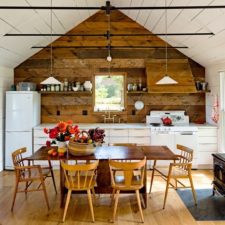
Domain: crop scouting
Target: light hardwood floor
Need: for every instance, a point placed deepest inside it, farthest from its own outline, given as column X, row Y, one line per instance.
column 33, row 210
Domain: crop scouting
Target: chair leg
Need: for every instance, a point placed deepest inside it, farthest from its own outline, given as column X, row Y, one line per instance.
column 45, row 193
column 139, row 205
column 14, row 196
column 67, row 204
column 93, row 192
column 152, row 177
column 115, row 205
column 91, row 205
column 175, row 183
column 192, row 187
column 113, row 196
column 166, row 192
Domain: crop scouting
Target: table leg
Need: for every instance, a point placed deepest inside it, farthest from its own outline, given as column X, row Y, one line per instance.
column 152, row 177
column 103, row 178
column 62, row 186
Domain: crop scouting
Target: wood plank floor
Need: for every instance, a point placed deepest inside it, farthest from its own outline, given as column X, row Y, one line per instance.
column 33, row 210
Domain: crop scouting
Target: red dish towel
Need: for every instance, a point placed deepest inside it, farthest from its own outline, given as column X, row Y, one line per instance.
column 215, row 110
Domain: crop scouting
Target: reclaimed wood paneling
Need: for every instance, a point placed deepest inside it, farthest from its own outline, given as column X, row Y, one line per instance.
column 82, row 64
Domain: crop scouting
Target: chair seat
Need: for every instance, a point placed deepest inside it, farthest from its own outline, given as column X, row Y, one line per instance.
column 120, row 183
column 82, row 185
column 176, row 171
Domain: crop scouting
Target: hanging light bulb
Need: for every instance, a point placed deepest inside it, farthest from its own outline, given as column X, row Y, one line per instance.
column 109, row 58
column 166, row 79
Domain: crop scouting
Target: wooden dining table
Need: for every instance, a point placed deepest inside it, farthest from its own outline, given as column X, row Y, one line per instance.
column 103, row 154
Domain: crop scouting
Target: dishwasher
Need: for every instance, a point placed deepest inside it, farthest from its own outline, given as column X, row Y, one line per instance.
column 163, row 137
column 190, row 140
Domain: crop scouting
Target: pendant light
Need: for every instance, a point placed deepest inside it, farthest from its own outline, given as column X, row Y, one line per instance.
column 166, row 80
column 51, row 79
column 108, row 80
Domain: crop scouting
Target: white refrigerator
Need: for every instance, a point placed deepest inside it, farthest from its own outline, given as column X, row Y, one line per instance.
column 22, row 114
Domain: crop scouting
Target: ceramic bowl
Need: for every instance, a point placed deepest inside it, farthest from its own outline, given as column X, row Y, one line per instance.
column 75, row 88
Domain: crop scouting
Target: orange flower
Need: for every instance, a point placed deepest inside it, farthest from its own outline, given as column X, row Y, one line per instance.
column 62, row 126
column 69, row 122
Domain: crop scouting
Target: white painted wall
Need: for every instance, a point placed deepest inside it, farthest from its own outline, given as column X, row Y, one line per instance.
column 6, row 80
column 213, row 78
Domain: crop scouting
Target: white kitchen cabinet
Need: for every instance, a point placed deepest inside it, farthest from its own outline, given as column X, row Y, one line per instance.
column 118, row 135
column 207, row 145
column 140, row 136
column 119, row 132
column 139, row 132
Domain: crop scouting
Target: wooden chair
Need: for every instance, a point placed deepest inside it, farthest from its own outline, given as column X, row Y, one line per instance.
column 79, row 177
column 177, row 170
column 127, row 181
column 29, row 174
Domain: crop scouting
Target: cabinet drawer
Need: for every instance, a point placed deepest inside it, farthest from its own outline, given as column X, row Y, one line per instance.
column 207, row 132
column 118, row 132
column 205, row 158
column 119, row 140
column 40, row 133
column 40, row 140
column 139, row 132
column 205, row 140
column 140, row 140
column 207, row 147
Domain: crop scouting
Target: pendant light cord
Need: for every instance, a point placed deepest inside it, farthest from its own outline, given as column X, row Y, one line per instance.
column 51, row 39
column 109, row 42
column 166, row 34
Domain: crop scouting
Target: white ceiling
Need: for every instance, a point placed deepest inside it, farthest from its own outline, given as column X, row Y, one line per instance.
column 203, row 49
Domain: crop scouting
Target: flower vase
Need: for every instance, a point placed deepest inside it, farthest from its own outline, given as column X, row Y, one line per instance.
column 62, row 145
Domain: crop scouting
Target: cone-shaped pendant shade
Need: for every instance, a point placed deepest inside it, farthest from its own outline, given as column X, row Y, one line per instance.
column 166, row 80
column 51, row 80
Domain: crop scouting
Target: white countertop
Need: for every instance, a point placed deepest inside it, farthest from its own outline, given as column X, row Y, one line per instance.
column 118, row 125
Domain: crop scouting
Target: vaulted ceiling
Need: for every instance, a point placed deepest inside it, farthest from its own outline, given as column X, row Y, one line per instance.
column 203, row 49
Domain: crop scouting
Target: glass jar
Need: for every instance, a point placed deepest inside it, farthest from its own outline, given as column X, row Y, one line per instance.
column 135, row 87
column 52, row 87
column 48, row 87
column 57, row 87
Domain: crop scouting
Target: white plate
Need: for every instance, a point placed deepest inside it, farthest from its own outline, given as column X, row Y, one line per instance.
column 139, row 105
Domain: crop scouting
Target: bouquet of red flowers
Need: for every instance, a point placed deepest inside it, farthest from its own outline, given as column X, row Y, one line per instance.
column 62, row 132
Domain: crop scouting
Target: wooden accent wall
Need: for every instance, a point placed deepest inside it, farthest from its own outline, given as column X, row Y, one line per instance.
column 81, row 64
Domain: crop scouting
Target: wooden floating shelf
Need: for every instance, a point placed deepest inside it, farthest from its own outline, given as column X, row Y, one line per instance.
column 67, row 92
column 155, row 92
column 137, row 92
column 197, row 92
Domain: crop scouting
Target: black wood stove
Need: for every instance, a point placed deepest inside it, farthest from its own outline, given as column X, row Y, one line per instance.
column 219, row 173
